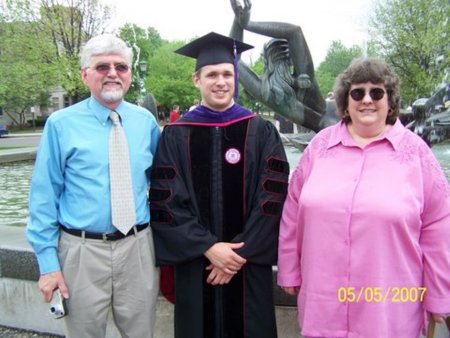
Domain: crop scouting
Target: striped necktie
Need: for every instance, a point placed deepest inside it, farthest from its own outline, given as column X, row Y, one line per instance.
column 122, row 200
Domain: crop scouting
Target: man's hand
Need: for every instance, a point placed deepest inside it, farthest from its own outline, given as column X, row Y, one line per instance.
column 222, row 256
column 242, row 14
column 217, row 276
column 51, row 281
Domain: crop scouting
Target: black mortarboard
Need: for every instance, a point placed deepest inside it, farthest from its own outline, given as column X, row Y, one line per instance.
column 212, row 49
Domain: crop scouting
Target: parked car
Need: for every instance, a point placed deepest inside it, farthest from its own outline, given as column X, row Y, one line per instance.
column 3, row 129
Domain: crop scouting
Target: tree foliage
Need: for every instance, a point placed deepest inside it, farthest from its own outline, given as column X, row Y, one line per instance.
column 67, row 25
column 144, row 43
column 169, row 77
column 28, row 70
column 336, row 61
column 40, row 41
column 413, row 35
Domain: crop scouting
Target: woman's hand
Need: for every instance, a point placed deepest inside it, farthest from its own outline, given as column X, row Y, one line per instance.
column 242, row 14
column 439, row 318
column 293, row 290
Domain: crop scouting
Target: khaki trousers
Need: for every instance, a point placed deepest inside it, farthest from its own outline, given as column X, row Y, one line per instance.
column 100, row 275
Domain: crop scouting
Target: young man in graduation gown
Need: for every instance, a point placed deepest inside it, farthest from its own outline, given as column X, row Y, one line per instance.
column 219, row 180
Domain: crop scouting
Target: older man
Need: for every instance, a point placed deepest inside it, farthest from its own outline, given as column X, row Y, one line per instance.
column 96, row 256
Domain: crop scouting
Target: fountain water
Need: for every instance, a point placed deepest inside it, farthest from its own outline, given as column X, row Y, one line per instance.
column 15, row 180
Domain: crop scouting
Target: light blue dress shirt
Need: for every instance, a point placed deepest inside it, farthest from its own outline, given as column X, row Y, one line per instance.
column 70, row 182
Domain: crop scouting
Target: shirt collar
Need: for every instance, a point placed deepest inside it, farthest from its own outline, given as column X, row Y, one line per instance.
column 101, row 112
column 340, row 134
column 395, row 134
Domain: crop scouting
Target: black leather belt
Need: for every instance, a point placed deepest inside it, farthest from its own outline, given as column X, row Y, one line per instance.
column 113, row 236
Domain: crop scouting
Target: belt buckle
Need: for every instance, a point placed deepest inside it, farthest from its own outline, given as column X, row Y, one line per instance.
column 113, row 236
column 109, row 237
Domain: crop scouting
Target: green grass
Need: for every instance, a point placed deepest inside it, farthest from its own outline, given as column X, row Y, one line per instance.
column 25, row 131
column 7, row 148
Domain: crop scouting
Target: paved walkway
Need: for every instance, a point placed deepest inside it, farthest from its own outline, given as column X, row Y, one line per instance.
column 20, row 150
column 17, row 154
column 7, row 332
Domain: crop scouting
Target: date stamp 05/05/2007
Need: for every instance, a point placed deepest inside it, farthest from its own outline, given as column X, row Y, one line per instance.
column 379, row 295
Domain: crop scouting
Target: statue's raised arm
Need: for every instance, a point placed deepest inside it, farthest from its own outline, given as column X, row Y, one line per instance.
column 293, row 94
column 241, row 16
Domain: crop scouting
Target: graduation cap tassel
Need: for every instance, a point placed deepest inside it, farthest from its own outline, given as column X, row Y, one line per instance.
column 236, row 72
column 213, row 49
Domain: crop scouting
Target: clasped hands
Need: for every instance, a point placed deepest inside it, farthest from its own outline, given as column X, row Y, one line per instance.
column 225, row 262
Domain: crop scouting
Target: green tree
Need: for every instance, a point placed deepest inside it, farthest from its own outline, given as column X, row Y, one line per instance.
column 28, row 69
column 68, row 25
column 412, row 35
column 337, row 59
column 144, row 43
column 169, row 77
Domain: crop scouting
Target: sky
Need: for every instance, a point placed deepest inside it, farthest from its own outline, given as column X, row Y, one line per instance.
column 322, row 21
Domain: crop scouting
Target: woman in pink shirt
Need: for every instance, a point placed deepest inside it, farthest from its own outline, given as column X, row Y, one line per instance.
column 365, row 231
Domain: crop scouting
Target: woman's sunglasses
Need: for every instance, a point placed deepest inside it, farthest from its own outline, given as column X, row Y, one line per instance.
column 358, row 94
column 105, row 68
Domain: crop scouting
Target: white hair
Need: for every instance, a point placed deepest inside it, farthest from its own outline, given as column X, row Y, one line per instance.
column 105, row 44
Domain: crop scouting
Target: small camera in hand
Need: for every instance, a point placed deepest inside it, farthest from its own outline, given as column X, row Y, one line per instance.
column 58, row 305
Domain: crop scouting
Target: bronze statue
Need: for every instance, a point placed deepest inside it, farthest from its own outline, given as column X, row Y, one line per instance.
column 431, row 116
column 288, row 85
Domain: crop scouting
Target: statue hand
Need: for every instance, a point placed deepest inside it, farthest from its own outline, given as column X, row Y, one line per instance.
column 303, row 81
column 242, row 14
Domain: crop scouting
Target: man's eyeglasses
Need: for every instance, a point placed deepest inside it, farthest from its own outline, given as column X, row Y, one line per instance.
column 358, row 94
column 105, row 68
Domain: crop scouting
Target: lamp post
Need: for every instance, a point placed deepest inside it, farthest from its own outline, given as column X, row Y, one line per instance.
column 32, row 111
column 143, row 70
column 147, row 99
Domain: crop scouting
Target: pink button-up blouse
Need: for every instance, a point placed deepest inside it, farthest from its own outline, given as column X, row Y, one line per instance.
column 365, row 233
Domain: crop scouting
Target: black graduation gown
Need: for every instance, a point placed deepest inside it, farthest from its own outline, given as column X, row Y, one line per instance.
column 211, row 183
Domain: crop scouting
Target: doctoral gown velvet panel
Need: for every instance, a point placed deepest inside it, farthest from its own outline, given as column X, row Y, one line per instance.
column 211, row 182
